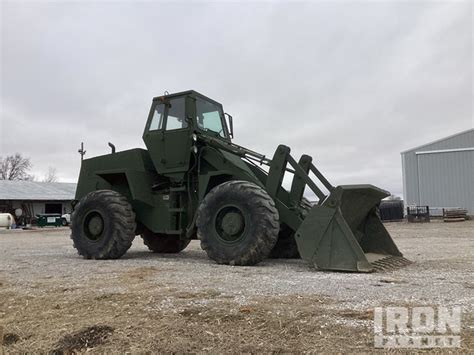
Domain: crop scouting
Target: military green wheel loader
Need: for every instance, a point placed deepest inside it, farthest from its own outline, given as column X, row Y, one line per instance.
column 192, row 182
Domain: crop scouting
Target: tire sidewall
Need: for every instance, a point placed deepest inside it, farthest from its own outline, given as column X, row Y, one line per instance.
column 254, row 230
column 89, row 247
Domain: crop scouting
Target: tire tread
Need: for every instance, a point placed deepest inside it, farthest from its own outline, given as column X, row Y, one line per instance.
column 123, row 229
column 266, row 231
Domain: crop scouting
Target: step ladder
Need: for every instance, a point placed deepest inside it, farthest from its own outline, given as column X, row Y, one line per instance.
column 177, row 209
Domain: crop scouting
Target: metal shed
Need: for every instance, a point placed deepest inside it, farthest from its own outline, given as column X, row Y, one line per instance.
column 440, row 174
column 36, row 197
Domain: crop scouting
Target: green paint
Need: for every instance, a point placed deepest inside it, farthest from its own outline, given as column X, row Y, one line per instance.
column 189, row 151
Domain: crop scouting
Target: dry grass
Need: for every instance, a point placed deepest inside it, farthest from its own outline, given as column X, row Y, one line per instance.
column 53, row 301
column 75, row 322
column 173, row 321
column 63, row 320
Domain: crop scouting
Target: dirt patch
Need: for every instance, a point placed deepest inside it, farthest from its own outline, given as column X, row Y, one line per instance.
column 361, row 315
column 84, row 339
column 10, row 338
column 107, row 297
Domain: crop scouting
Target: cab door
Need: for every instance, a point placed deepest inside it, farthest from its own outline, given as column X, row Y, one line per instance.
column 167, row 136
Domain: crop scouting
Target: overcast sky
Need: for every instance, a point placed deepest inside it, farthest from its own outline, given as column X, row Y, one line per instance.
column 351, row 83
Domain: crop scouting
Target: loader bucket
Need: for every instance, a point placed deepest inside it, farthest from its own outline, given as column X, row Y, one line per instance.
column 345, row 233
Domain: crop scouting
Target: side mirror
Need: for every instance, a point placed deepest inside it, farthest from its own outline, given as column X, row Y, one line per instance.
column 231, row 125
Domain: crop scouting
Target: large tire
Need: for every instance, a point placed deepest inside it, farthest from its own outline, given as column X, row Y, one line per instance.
column 286, row 247
column 103, row 225
column 162, row 243
column 237, row 223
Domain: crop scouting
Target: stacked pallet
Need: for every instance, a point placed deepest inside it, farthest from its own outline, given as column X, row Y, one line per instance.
column 454, row 214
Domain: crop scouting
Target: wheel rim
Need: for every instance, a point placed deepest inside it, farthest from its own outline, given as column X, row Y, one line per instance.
column 230, row 224
column 94, row 226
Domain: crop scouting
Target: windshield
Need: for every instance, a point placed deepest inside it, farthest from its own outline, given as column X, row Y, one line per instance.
column 209, row 117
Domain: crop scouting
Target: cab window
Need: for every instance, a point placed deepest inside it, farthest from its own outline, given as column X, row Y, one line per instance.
column 209, row 117
column 157, row 120
column 174, row 111
column 176, row 115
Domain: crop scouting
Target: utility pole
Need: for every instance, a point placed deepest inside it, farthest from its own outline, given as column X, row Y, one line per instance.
column 82, row 152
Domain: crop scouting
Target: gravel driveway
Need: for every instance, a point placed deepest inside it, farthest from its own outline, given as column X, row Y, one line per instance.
column 51, row 299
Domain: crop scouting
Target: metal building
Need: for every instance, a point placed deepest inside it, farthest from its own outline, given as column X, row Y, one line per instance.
column 36, row 197
column 440, row 174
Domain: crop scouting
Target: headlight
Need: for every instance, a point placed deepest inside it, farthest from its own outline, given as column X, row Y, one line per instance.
column 194, row 137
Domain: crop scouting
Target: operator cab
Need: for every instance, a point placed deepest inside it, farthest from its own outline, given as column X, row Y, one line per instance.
column 172, row 120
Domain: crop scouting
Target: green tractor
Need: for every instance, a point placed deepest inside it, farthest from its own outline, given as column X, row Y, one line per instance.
column 192, row 182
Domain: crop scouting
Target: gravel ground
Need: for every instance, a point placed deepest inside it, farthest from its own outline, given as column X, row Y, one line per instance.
column 51, row 299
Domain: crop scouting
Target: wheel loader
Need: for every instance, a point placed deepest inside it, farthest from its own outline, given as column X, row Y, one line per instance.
column 193, row 182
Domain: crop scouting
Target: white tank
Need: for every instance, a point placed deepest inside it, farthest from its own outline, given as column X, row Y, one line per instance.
column 6, row 220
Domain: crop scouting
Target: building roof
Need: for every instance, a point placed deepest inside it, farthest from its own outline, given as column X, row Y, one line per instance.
column 468, row 131
column 34, row 191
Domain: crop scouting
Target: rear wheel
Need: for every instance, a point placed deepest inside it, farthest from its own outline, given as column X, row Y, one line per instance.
column 237, row 223
column 286, row 247
column 103, row 225
column 162, row 243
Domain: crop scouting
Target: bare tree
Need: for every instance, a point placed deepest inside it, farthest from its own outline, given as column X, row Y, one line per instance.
column 51, row 175
column 15, row 167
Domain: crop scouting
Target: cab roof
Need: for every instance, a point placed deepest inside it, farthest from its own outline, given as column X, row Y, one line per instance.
column 191, row 93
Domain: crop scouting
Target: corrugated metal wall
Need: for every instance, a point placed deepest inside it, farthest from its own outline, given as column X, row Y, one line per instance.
column 441, row 179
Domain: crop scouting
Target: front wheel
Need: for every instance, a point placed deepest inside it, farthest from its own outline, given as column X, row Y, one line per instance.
column 237, row 223
column 103, row 225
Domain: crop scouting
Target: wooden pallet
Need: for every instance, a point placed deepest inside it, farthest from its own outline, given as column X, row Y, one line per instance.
column 454, row 214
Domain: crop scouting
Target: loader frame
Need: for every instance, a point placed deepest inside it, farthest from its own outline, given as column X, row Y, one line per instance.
column 341, row 232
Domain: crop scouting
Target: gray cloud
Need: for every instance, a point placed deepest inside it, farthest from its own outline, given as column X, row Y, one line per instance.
column 351, row 84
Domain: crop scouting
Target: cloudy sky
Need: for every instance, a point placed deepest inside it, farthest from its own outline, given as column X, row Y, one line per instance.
column 351, row 83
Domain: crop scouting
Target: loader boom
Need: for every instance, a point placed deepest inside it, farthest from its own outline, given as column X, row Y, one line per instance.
column 343, row 231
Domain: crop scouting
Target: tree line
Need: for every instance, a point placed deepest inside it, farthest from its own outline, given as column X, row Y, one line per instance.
column 18, row 167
